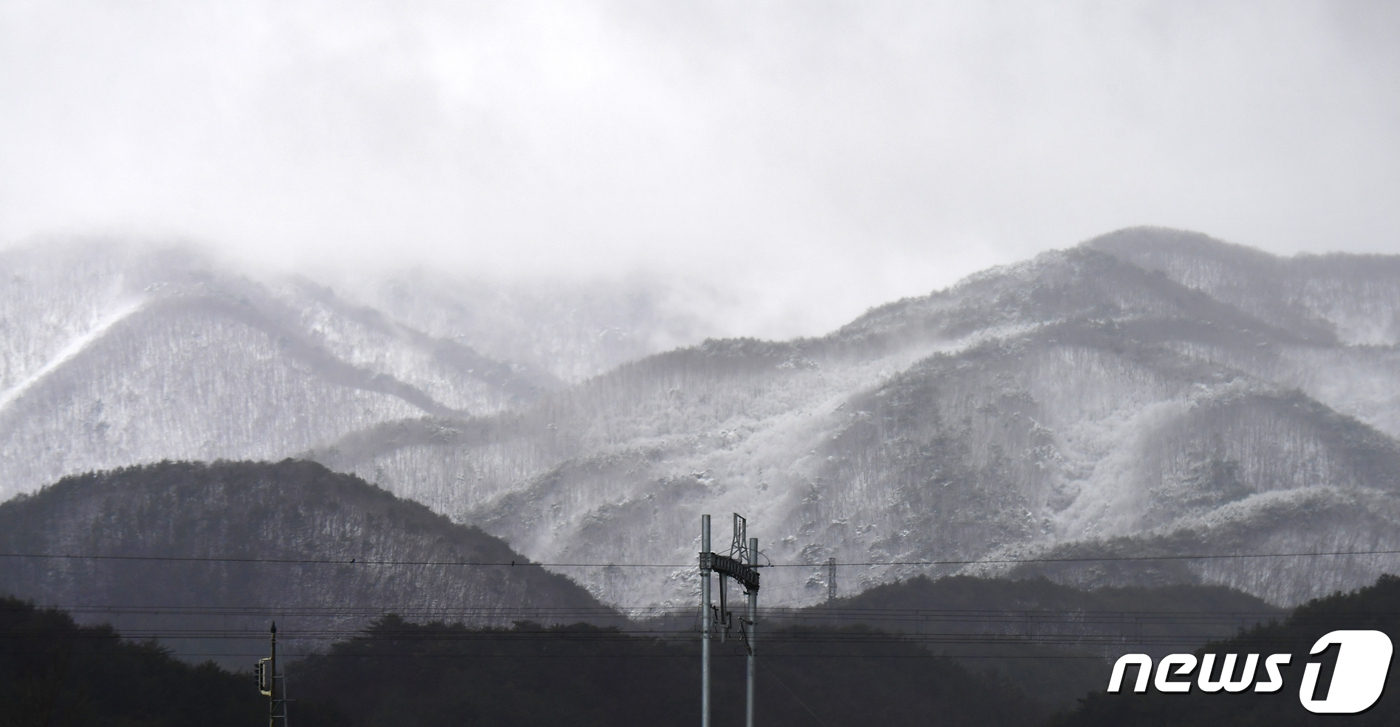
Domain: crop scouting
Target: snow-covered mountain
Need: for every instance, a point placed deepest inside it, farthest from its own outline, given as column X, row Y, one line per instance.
column 572, row 329
column 1150, row 392
column 114, row 355
column 1087, row 401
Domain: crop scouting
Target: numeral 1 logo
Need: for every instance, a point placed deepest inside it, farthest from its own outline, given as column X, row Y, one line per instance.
column 1363, row 662
column 1358, row 678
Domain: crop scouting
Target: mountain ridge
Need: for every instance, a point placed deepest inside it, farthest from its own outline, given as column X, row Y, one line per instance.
column 176, row 548
column 663, row 432
column 1134, row 386
column 163, row 336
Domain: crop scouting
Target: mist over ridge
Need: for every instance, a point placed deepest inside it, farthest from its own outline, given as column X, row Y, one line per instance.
column 1147, row 392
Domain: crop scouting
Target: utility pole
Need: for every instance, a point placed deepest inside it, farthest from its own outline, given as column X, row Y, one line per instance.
column 734, row 566
column 268, row 680
column 265, row 672
column 830, row 579
column 272, row 680
column 752, row 634
column 706, row 558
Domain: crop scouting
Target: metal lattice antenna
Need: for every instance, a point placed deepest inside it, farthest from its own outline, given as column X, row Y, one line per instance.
column 831, row 579
column 739, row 548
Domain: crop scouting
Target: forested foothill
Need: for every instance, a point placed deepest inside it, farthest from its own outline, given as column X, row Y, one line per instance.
column 397, row 673
column 1053, row 641
column 187, row 548
column 1375, row 607
column 54, row 672
column 436, row 674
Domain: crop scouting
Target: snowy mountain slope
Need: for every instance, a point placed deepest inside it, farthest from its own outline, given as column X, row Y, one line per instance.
column 1352, row 299
column 1131, row 391
column 572, row 329
column 1035, row 446
column 1075, row 398
column 1322, row 520
column 54, row 299
column 296, row 512
column 118, row 355
column 1345, row 308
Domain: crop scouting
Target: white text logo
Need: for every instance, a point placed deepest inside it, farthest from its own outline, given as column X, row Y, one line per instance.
column 1363, row 661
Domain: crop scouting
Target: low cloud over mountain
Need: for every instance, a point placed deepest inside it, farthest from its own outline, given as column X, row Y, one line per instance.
column 1148, row 393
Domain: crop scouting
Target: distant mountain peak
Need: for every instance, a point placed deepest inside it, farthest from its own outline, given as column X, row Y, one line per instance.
column 1132, row 242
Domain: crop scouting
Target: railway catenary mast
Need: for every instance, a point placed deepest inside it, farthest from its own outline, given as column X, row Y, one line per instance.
column 741, row 564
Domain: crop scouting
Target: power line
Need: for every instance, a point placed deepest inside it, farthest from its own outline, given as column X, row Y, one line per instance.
column 555, row 638
column 599, row 655
column 818, row 612
column 641, row 638
column 1042, row 633
column 794, row 695
column 1101, row 559
column 335, row 561
column 523, row 563
column 464, row 644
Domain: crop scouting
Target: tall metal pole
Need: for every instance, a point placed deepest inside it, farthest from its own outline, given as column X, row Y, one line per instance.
column 753, row 634
column 704, row 622
column 272, row 681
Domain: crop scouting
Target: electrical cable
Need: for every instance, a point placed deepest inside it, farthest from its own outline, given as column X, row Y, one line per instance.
column 523, row 563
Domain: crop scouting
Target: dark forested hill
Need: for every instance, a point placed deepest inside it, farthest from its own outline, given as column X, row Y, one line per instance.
column 291, row 541
column 429, row 675
column 1375, row 607
column 1052, row 641
column 55, row 673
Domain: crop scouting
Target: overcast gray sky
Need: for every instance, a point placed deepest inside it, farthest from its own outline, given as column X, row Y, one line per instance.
column 820, row 156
